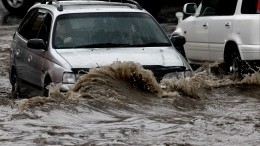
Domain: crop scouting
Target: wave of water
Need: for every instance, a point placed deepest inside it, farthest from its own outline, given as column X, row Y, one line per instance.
column 128, row 80
column 122, row 104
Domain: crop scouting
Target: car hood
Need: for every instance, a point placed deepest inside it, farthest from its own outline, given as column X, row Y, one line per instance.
column 96, row 57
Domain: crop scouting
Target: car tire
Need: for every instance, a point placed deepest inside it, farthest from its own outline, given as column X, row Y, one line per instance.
column 18, row 7
column 46, row 90
column 234, row 63
column 16, row 93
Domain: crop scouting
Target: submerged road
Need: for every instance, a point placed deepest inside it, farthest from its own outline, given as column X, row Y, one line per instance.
column 207, row 109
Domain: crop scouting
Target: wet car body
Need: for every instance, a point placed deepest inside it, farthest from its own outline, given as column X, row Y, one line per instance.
column 38, row 60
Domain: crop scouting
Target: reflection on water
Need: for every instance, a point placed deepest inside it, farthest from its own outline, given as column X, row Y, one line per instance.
column 111, row 106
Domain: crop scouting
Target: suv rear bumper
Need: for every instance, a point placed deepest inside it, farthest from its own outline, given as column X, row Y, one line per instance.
column 250, row 52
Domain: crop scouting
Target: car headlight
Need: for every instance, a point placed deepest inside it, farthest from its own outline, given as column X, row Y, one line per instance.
column 69, row 78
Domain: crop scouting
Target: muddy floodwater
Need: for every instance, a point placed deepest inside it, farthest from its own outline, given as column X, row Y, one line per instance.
column 109, row 107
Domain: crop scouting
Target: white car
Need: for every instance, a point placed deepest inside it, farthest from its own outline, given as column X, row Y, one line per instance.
column 221, row 30
column 59, row 41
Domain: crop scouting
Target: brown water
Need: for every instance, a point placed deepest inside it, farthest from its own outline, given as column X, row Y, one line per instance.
column 122, row 104
column 114, row 105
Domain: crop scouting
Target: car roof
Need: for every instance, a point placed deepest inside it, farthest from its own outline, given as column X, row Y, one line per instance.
column 66, row 7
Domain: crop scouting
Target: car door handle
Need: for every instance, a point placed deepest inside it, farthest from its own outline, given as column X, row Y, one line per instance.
column 205, row 25
column 228, row 25
column 17, row 52
column 30, row 58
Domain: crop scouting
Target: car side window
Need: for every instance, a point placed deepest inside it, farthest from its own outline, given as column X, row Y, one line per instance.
column 208, row 7
column 45, row 28
column 218, row 7
column 250, row 7
column 226, row 7
column 31, row 28
column 24, row 27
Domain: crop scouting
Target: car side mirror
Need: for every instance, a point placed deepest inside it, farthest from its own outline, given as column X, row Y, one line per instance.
column 38, row 44
column 190, row 8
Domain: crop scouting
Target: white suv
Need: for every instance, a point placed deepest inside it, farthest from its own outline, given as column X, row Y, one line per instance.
column 221, row 30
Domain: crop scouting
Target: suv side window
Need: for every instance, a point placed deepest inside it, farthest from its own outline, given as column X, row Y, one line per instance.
column 226, row 7
column 250, row 7
column 218, row 7
column 32, row 26
column 208, row 8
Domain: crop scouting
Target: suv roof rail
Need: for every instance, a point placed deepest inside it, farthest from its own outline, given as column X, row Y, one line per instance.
column 56, row 2
column 127, row 1
column 60, row 6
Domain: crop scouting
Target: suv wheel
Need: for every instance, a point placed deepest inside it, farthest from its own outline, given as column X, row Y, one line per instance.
column 18, row 6
column 233, row 62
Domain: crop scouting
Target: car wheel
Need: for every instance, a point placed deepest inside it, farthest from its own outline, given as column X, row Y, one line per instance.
column 15, row 85
column 234, row 64
column 47, row 82
column 19, row 7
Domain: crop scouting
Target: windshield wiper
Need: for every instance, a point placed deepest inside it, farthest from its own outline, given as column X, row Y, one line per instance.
column 153, row 44
column 103, row 45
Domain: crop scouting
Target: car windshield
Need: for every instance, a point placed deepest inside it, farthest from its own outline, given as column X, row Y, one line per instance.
column 108, row 30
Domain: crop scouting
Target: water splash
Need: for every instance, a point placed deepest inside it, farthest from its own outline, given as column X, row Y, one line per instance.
column 251, row 79
column 194, row 87
column 112, row 83
column 118, row 75
column 207, row 77
column 122, row 80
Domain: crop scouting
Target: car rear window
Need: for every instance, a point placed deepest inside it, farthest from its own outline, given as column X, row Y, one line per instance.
column 250, row 7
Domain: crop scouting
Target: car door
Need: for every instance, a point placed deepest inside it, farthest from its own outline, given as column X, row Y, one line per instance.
column 221, row 28
column 36, row 57
column 19, row 45
column 196, row 46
